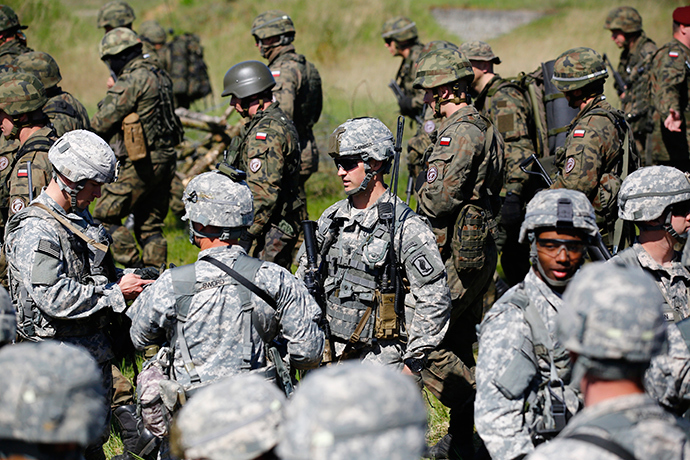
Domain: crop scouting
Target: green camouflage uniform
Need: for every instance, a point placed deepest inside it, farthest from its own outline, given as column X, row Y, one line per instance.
column 670, row 90
column 143, row 187
column 8, row 149
column 268, row 150
column 65, row 112
column 12, row 49
column 406, row 75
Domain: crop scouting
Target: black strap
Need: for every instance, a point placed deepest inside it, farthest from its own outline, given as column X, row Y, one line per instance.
column 243, row 281
column 604, row 443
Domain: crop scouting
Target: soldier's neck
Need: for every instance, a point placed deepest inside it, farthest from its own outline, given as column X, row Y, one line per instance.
column 369, row 196
column 596, row 391
column 60, row 197
column 482, row 81
column 208, row 243
column 658, row 244
column 26, row 132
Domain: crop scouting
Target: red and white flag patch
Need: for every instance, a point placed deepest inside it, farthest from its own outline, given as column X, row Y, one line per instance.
column 261, row 136
column 579, row 133
column 22, row 173
column 445, row 141
column 673, row 54
column 275, row 73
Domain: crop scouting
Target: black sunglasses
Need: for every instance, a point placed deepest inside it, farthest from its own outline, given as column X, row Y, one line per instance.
column 348, row 164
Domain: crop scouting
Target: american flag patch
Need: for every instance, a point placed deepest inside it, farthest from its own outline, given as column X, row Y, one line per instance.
column 275, row 73
column 22, row 173
column 579, row 133
column 673, row 54
column 445, row 141
column 261, row 136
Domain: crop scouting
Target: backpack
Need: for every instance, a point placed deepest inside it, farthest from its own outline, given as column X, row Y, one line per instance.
column 188, row 70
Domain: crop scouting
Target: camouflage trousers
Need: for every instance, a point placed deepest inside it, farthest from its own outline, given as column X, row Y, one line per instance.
column 278, row 244
column 123, row 390
column 176, row 192
column 514, row 256
column 309, row 155
column 668, row 148
column 142, row 189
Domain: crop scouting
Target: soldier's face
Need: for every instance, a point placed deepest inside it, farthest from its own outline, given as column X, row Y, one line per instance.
column 90, row 192
column 351, row 172
column 392, row 47
column 560, row 253
column 680, row 218
column 6, row 123
column 618, row 37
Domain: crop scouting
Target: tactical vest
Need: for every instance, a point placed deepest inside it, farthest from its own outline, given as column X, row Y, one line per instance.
column 352, row 287
column 188, row 69
column 34, row 144
column 309, row 100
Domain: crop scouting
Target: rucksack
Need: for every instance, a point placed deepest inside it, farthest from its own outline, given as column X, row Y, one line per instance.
column 188, row 70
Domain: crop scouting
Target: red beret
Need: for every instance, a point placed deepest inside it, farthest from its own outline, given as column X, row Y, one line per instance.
column 681, row 15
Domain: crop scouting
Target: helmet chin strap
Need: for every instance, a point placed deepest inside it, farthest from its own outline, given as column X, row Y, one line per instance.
column 71, row 191
column 370, row 173
column 671, row 231
column 441, row 101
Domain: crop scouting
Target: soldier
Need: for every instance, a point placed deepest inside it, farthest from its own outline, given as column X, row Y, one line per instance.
column 354, row 239
column 612, row 325
column 465, row 167
column 505, row 105
column 625, row 24
column 268, row 150
column 298, row 84
column 224, row 324
column 64, row 111
column 354, row 411
column 400, row 37
column 235, row 419
column 8, row 319
column 141, row 103
column 154, row 34
column 52, row 402
column 657, row 200
column 53, row 252
column 670, row 94
column 519, row 356
column 599, row 151
column 113, row 14
column 12, row 39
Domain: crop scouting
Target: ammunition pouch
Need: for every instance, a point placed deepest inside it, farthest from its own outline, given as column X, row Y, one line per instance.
column 134, row 138
column 472, row 228
column 386, row 322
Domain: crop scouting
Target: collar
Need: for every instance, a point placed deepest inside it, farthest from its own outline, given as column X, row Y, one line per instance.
column 675, row 268
column 635, row 401
column 279, row 51
column 366, row 218
column 536, row 287
column 232, row 251
column 467, row 111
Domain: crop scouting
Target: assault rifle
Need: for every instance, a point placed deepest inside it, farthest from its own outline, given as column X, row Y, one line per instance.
column 622, row 87
column 400, row 96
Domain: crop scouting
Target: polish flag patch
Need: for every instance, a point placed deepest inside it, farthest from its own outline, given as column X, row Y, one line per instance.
column 261, row 136
column 579, row 133
column 445, row 141
column 673, row 54
column 275, row 73
column 22, row 173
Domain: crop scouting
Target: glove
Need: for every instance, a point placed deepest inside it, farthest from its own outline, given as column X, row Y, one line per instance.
column 147, row 273
column 511, row 212
column 405, row 104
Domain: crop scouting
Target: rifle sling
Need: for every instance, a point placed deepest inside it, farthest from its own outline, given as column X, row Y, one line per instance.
column 243, row 281
column 73, row 228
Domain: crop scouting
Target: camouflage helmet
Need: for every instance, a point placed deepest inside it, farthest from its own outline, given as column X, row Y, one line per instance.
column 20, row 93
column 612, row 312
column 115, row 14
column 354, row 410
column 235, row 419
column 400, row 29
column 367, row 138
column 116, row 41
column 437, row 45
column 212, row 198
column 8, row 318
column 624, row 18
column 42, row 65
column 646, row 193
column 578, row 67
column 479, row 51
column 9, row 19
column 441, row 67
column 81, row 155
column 152, row 32
column 247, row 79
column 272, row 23
column 52, row 394
column 559, row 208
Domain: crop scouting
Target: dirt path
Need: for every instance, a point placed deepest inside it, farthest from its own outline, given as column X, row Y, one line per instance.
column 482, row 24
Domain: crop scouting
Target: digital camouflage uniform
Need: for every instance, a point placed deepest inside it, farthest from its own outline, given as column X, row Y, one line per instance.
column 670, row 90
column 221, row 340
column 143, row 187
column 668, row 378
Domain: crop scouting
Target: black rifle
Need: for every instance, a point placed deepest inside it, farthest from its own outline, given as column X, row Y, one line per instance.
column 622, row 87
column 408, row 191
column 400, row 96
column 312, row 279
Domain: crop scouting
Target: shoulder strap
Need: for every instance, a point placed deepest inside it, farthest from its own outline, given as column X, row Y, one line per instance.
column 684, row 328
column 603, row 443
column 253, row 265
column 73, row 228
column 184, row 282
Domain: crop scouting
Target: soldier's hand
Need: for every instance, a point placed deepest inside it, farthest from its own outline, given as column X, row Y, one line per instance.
column 673, row 121
column 110, row 83
column 132, row 285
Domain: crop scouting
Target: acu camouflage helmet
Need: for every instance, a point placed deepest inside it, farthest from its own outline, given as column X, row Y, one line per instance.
column 212, row 198
column 8, row 318
column 646, row 193
column 115, row 14
column 624, row 18
column 578, row 67
column 152, row 32
column 9, row 19
column 247, row 79
column 354, row 410
column 272, row 23
column 442, row 67
column 81, row 155
column 42, row 65
column 400, row 29
column 479, row 51
column 367, row 138
column 118, row 40
column 235, row 419
column 559, row 209
column 51, row 394
column 20, row 93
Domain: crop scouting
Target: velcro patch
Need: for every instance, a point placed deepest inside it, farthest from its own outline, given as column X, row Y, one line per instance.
column 275, row 73
column 254, row 165
column 422, row 265
column 673, row 54
column 261, row 136
column 579, row 133
column 431, row 174
column 569, row 164
column 49, row 247
column 445, row 141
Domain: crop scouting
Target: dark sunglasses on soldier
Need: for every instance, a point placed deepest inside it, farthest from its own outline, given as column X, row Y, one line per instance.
column 388, row 41
column 553, row 247
column 348, row 164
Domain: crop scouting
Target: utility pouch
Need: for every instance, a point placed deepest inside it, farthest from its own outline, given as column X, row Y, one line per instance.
column 135, row 142
column 154, row 410
column 386, row 323
column 469, row 237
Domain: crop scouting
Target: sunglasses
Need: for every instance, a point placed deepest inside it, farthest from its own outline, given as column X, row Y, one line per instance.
column 388, row 41
column 553, row 247
column 348, row 164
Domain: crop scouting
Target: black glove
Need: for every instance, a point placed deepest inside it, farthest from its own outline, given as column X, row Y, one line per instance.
column 147, row 273
column 406, row 108
column 246, row 241
column 511, row 212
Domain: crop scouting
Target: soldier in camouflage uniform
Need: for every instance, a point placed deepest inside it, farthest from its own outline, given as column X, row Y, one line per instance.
column 599, row 150
column 657, row 200
column 354, row 411
column 227, row 328
column 141, row 99
column 55, row 254
column 298, row 83
column 52, row 402
column 613, row 326
column 518, row 350
column 354, row 240
column 12, row 39
column 400, row 37
column 669, row 140
column 505, row 105
column 465, row 169
column 268, row 150
column 64, row 111
column 235, row 419
column 8, row 319
column 625, row 24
